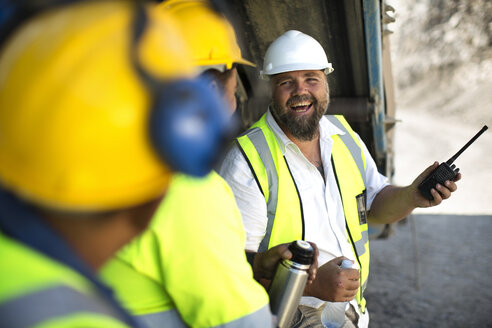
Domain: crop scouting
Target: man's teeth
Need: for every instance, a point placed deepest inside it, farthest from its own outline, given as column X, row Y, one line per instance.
column 301, row 107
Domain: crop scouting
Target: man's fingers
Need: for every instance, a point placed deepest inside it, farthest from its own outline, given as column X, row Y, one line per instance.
column 313, row 269
column 312, row 273
column 350, row 274
column 451, row 186
column 352, row 285
column 426, row 172
column 338, row 260
column 444, row 191
column 437, row 197
column 350, row 295
column 285, row 254
column 279, row 252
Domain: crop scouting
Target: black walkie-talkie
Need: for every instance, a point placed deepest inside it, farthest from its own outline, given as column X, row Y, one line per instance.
column 445, row 171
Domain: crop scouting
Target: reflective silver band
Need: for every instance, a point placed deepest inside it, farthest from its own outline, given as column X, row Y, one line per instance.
column 356, row 152
column 58, row 301
column 172, row 319
column 351, row 145
column 259, row 142
column 259, row 319
column 363, row 287
column 360, row 244
column 169, row 318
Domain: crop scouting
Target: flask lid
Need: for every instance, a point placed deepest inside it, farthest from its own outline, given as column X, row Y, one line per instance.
column 302, row 252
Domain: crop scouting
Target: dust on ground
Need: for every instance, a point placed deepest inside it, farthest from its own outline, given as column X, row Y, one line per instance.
column 439, row 279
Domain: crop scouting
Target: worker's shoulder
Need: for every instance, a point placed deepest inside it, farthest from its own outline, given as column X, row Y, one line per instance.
column 182, row 184
column 24, row 269
column 193, row 202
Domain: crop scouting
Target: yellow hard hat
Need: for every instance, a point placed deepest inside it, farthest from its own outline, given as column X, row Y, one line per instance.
column 210, row 36
column 74, row 112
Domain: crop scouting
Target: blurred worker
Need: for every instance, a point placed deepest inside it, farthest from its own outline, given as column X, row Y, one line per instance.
column 189, row 268
column 299, row 174
column 83, row 165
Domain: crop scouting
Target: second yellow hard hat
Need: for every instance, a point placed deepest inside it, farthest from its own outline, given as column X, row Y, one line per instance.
column 210, row 35
column 74, row 113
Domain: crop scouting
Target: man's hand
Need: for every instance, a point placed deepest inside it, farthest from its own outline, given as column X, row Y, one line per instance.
column 333, row 283
column 265, row 264
column 395, row 203
column 439, row 193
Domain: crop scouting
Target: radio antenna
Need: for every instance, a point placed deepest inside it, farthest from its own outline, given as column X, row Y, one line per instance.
column 472, row 140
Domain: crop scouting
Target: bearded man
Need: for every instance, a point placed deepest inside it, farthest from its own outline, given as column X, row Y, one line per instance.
column 300, row 174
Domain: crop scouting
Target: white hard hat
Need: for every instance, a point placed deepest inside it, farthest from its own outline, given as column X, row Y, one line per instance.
column 294, row 51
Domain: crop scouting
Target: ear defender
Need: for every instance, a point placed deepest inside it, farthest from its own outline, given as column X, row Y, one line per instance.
column 190, row 126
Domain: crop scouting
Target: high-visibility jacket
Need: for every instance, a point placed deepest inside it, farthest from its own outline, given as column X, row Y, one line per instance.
column 37, row 291
column 189, row 267
column 271, row 171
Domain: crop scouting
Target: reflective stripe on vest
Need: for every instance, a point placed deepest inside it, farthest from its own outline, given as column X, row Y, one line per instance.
column 260, row 148
column 349, row 140
column 349, row 165
column 261, row 145
column 54, row 302
column 168, row 318
column 172, row 319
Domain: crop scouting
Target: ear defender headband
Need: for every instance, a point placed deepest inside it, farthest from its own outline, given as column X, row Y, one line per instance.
column 189, row 124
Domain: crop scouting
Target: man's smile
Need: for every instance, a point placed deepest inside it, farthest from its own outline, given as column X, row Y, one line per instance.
column 301, row 107
column 301, row 104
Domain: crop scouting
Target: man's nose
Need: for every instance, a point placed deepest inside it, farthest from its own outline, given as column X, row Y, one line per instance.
column 299, row 89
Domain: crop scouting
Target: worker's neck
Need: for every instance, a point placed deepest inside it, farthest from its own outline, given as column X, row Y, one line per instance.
column 96, row 239
column 309, row 148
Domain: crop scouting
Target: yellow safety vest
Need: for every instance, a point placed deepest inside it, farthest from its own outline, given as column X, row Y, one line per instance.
column 271, row 171
column 189, row 268
column 36, row 291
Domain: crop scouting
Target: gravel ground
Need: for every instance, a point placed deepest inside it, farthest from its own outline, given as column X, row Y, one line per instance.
column 434, row 270
column 441, row 279
column 440, row 275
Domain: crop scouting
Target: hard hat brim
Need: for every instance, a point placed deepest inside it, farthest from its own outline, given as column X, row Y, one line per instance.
column 296, row 67
column 243, row 61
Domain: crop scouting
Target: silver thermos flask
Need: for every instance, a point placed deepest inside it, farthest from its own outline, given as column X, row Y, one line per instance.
column 289, row 281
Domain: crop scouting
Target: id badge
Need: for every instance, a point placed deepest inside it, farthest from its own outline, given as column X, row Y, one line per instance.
column 361, row 207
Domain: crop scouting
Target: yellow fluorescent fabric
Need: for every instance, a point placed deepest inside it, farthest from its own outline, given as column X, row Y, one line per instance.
column 191, row 258
column 82, row 320
column 351, row 185
column 24, row 271
column 287, row 224
column 288, row 206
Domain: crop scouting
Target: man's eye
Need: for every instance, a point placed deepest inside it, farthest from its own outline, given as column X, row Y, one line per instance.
column 285, row 83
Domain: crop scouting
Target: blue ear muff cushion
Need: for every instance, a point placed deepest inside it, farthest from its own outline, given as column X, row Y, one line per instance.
column 188, row 126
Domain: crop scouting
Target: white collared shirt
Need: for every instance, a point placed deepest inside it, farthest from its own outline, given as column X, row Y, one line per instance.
column 323, row 211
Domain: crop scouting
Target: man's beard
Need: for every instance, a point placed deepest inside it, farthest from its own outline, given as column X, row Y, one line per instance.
column 305, row 127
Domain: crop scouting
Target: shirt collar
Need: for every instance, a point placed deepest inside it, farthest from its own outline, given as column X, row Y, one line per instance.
column 282, row 139
column 327, row 129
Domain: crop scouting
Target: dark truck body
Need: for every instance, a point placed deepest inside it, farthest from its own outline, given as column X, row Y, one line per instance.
column 356, row 43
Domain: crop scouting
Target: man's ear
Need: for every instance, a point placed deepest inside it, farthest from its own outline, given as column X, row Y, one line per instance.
column 214, row 85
